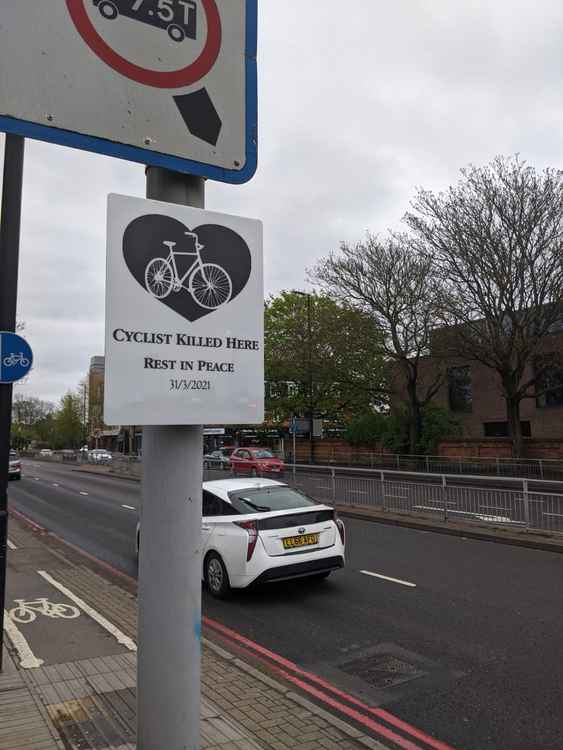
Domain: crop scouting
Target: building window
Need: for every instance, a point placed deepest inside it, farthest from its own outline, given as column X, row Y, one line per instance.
column 500, row 429
column 460, row 389
column 549, row 387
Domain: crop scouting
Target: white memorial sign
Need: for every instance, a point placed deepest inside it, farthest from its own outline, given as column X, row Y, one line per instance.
column 184, row 316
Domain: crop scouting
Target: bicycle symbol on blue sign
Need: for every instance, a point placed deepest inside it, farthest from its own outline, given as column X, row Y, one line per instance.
column 16, row 357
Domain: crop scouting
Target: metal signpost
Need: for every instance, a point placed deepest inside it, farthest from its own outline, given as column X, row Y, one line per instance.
column 184, row 346
column 9, row 259
column 170, row 84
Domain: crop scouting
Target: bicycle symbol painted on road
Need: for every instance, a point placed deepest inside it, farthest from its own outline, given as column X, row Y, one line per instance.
column 208, row 283
column 27, row 611
column 16, row 359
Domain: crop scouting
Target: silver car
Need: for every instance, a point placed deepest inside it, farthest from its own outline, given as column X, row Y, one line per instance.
column 219, row 459
column 15, row 467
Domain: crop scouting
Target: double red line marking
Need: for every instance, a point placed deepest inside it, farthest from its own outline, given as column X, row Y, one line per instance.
column 324, row 692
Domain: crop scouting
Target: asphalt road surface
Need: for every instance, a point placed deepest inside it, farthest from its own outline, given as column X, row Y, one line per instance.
column 466, row 642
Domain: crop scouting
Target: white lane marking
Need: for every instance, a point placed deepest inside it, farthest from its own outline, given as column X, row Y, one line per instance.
column 128, row 507
column 55, row 484
column 388, row 578
column 36, row 479
column 84, row 493
column 11, row 545
column 119, row 636
column 28, row 660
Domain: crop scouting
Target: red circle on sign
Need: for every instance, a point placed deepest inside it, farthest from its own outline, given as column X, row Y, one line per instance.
column 156, row 78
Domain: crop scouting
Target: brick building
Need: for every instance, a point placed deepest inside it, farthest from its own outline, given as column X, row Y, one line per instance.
column 473, row 394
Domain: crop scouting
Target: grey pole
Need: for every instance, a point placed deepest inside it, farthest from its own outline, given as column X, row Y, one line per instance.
column 9, row 259
column 170, row 565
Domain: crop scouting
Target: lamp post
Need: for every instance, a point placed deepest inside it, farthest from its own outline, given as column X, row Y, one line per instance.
column 310, row 372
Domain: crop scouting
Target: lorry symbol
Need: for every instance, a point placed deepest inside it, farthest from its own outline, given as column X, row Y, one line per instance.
column 177, row 17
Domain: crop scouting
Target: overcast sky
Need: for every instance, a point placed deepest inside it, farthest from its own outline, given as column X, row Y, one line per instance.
column 360, row 102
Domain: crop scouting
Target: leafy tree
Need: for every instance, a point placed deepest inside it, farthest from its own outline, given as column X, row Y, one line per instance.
column 496, row 242
column 68, row 422
column 385, row 279
column 28, row 411
column 437, row 424
column 392, row 430
column 340, row 357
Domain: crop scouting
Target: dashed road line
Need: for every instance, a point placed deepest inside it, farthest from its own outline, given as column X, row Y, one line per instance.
column 27, row 658
column 55, row 484
column 388, row 578
column 128, row 507
column 84, row 493
column 119, row 636
column 11, row 545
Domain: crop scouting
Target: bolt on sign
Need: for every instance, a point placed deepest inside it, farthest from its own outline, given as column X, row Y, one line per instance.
column 170, row 83
column 184, row 316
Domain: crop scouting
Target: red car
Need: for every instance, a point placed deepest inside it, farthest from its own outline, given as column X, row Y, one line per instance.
column 256, row 462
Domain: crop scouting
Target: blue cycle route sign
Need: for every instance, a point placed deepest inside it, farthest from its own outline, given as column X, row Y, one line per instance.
column 16, row 357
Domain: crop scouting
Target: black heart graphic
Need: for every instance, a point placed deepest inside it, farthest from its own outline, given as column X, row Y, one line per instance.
column 224, row 254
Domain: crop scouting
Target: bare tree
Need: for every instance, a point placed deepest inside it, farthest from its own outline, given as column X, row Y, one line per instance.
column 395, row 285
column 495, row 240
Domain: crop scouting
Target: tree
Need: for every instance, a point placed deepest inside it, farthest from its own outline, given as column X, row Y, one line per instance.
column 388, row 281
column 32, row 419
column 341, row 358
column 68, row 422
column 28, row 411
column 495, row 239
column 392, row 430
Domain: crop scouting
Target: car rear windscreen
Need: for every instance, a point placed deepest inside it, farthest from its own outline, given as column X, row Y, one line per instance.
column 266, row 499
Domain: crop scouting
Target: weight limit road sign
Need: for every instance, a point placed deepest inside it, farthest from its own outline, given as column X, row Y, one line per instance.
column 171, row 83
column 16, row 357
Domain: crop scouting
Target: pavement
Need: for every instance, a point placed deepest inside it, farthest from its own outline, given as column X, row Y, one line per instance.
column 445, row 640
column 69, row 678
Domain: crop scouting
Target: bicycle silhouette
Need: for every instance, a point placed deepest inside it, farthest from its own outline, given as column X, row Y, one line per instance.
column 27, row 612
column 208, row 283
column 16, row 359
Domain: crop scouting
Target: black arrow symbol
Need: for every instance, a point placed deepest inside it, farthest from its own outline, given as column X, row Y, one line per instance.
column 200, row 115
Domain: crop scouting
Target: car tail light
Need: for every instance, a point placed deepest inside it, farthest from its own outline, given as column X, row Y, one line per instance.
column 251, row 527
column 341, row 529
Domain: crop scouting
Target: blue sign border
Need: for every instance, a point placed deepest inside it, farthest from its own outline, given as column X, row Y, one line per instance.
column 143, row 156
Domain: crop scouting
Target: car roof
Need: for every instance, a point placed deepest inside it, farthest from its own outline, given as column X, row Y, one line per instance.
column 222, row 487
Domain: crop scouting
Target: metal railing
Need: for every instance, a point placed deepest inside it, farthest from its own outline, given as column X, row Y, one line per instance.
column 536, row 509
column 532, row 468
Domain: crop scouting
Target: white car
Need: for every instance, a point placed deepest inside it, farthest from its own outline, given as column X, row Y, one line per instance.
column 46, row 453
column 260, row 530
column 99, row 456
column 15, row 467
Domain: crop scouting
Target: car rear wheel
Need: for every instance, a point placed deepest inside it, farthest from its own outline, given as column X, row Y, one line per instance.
column 216, row 576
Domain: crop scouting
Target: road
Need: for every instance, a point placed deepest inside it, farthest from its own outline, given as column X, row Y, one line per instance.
column 471, row 653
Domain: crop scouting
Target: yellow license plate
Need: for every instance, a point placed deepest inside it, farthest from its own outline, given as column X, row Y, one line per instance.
column 305, row 540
